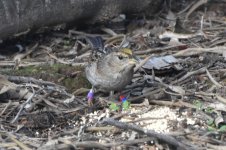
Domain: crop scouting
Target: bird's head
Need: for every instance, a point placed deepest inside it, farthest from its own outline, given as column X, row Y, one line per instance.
column 121, row 61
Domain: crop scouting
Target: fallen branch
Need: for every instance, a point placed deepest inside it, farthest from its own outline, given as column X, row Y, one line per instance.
column 166, row 138
column 201, row 70
column 213, row 80
column 197, row 51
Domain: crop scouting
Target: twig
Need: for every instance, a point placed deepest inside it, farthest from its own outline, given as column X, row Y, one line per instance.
column 151, row 50
column 150, row 133
column 146, row 118
column 218, row 42
column 70, row 32
column 186, row 8
column 109, row 31
column 213, row 80
column 23, row 105
column 142, row 63
column 194, row 7
column 144, row 95
column 8, row 104
column 22, row 63
column 196, row 51
column 20, row 144
column 90, row 144
column 201, row 24
column 216, row 147
column 114, row 39
column 221, row 99
column 20, row 79
column 170, row 103
column 57, row 59
column 18, row 57
column 214, row 28
column 78, row 64
column 130, row 142
column 169, row 34
column 201, row 70
column 75, row 109
column 99, row 128
column 8, row 144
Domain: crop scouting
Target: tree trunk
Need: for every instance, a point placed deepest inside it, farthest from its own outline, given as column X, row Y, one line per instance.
column 19, row 16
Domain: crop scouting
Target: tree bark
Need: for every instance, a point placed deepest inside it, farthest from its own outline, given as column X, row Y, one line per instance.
column 23, row 15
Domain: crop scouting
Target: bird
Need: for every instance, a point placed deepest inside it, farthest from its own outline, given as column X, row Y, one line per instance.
column 112, row 72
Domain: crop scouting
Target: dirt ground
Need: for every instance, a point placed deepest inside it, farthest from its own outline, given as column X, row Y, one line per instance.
column 176, row 99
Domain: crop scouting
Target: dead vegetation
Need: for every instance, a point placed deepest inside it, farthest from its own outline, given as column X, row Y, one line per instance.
column 177, row 96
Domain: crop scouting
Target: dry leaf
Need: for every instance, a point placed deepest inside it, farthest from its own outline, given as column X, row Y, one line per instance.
column 177, row 89
column 6, row 85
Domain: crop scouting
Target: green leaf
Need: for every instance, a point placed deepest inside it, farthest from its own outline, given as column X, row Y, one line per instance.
column 125, row 105
column 211, row 128
column 198, row 104
column 210, row 122
column 66, row 42
column 209, row 110
column 222, row 128
column 114, row 107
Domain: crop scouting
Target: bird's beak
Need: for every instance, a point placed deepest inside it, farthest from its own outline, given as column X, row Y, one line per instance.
column 132, row 61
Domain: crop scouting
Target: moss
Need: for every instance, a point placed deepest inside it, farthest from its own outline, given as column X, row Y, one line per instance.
column 57, row 73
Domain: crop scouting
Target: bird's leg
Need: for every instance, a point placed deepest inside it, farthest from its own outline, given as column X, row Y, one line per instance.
column 90, row 96
column 111, row 96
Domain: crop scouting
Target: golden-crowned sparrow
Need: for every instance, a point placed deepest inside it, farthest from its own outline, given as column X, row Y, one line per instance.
column 112, row 72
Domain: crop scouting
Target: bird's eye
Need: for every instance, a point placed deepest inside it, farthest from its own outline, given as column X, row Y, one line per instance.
column 120, row 57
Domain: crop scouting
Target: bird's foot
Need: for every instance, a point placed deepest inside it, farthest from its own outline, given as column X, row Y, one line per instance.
column 90, row 103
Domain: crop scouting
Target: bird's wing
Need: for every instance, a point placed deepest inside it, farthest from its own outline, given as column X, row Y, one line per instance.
column 99, row 76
